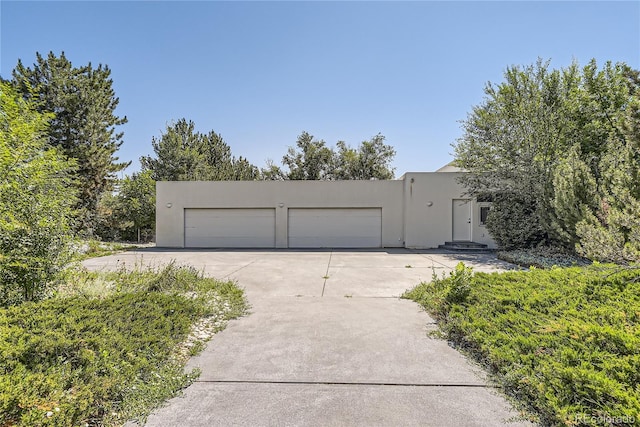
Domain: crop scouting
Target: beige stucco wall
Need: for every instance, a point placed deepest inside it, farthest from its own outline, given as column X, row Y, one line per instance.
column 271, row 194
column 428, row 212
column 416, row 209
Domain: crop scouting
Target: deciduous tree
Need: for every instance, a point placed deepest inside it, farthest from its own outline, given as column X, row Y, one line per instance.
column 136, row 206
column 371, row 160
column 543, row 142
column 310, row 159
column 36, row 195
column 273, row 172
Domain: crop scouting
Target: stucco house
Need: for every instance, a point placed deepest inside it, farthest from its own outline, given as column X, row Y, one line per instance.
column 418, row 210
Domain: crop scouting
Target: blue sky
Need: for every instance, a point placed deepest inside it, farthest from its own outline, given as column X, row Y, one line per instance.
column 260, row 73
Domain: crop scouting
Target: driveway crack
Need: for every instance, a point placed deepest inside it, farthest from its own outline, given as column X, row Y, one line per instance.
column 326, row 274
column 238, row 269
column 433, row 262
column 356, row 383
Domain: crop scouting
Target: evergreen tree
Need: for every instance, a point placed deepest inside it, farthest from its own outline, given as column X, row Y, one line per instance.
column 243, row 170
column 182, row 154
column 83, row 102
column 176, row 153
column 612, row 231
column 575, row 196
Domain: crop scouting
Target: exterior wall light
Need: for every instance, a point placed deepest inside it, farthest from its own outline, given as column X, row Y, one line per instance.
column 169, row 205
column 429, row 203
column 281, row 205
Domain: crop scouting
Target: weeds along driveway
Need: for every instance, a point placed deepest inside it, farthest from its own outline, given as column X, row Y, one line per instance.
column 328, row 342
column 310, row 273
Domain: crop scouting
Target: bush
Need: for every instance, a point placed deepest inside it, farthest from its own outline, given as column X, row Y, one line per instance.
column 614, row 239
column 459, row 284
column 514, row 222
column 443, row 291
column 107, row 349
column 565, row 342
column 35, row 203
column 78, row 359
column 129, row 214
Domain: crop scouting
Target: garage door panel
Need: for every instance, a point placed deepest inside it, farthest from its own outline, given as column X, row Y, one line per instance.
column 229, row 228
column 333, row 242
column 335, row 228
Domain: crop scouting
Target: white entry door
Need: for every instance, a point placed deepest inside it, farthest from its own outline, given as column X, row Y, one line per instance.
column 461, row 220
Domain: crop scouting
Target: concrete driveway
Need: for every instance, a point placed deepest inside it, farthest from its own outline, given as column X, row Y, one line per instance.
column 328, row 343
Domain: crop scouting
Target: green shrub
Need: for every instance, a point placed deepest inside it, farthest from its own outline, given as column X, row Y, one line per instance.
column 36, row 196
column 565, row 342
column 514, row 221
column 459, row 284
column 78, row 359
column 616, row 239
column 106, row 349
column 443, row 291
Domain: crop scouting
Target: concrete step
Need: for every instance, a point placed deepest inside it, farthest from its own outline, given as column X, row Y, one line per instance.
column 465, row 246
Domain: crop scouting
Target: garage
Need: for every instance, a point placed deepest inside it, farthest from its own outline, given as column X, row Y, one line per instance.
column 335, row 228
column 229, row 228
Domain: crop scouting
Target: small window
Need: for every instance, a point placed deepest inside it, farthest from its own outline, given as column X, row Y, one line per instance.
column 484, row 213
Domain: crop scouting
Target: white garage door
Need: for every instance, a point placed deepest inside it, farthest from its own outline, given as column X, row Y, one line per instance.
column 335, row 228
column 229, row 228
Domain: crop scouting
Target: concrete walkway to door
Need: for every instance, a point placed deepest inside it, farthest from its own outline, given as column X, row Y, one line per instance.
column 328, row 343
